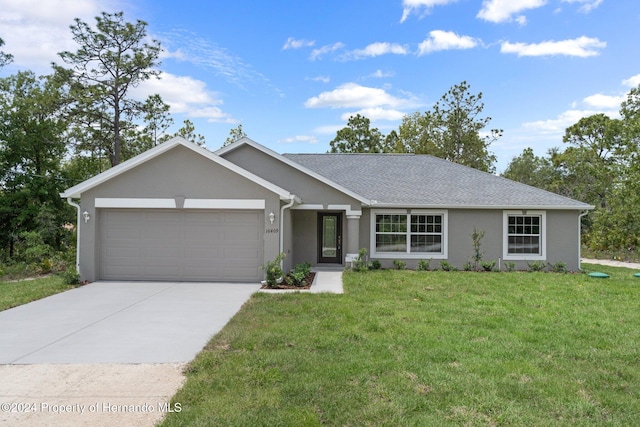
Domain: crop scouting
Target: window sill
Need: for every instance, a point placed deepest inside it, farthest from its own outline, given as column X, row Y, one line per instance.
column 405, row 255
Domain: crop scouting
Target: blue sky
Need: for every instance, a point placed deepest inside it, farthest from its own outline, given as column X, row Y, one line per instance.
column 292, row 72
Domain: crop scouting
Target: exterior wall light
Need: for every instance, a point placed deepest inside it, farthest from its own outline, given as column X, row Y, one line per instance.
column 87, row 216
column 272, row 217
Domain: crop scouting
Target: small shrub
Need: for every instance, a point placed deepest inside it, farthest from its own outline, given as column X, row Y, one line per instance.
column 297, row 275
column 273, row 270
column 446, row 266
column 361, row 263
column 46, row 266
column 71, row 276
column 510, row 266
column 536, row 266
column 375, row 265
column 423, row 265
column 476, row 238
column 467, row 266
column 488, row 265
column 399, row 264
column 559, row 267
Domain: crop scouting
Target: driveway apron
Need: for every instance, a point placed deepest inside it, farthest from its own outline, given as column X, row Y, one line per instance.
column 120, row 322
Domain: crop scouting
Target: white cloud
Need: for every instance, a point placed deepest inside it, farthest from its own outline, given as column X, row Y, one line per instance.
column 192, row 48
column 566, row 119
column 504, row 10
column 632, row 81
column 376, row 49
column 379, row 74
column 299, row 138
column 587, row 5
column 376, row 113
column 34, row 31
column 411, row 6
column 352, row 95
column 323, row 79
column 603, row 101
column 445, row 40
column 292, row 43
column 317, row 53
column 582, row 47
column 185, row 95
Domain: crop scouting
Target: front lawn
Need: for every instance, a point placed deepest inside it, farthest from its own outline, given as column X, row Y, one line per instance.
column 427, row 348
column 14, row 293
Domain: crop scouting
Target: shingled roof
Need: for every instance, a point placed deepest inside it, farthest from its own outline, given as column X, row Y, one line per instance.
column 410, row 180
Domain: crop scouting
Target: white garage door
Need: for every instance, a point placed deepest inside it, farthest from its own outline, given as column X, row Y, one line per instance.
column 185, row 245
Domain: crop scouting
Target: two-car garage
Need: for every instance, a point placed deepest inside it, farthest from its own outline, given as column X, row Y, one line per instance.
column 178, row 213
column 180, row 245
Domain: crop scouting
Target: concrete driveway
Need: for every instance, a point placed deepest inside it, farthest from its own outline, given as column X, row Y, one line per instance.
column 120, row 322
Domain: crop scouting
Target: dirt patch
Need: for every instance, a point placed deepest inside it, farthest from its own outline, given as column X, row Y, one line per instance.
column 88, row 395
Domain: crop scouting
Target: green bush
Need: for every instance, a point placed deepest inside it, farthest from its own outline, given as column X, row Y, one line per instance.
column 399, row 264
column 423, row 265
column 536, row 266
column 71, row 276
column 447, row 266
column 559, row 267
column 297, row 275
column 273, row 270
column 488, row 265
column 361, row 263
column 510, row 266
column 376, row 265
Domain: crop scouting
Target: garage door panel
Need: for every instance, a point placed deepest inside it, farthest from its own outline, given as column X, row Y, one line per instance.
column 180, row 245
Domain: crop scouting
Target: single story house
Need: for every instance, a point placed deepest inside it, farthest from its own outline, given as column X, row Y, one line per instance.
column 180, row 212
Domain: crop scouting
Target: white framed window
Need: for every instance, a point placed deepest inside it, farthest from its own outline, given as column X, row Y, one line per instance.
column 524, row 235
column 409, row 234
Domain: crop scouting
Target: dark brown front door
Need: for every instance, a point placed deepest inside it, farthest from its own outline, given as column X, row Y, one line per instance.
column 330, row 238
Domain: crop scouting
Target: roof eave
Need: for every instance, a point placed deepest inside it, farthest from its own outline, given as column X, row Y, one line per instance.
column 247, row 141
column 77, row 190
column 494, row 207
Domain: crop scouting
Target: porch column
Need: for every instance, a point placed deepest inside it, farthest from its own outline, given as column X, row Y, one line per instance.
column 353, row 237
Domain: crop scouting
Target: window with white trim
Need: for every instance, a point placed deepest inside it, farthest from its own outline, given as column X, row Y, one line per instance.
column 415, row 234
column 524, row 235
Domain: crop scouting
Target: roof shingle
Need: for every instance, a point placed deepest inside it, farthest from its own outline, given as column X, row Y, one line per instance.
column 422, row 180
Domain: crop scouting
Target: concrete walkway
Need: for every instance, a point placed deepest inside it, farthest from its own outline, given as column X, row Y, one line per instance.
column 612, row 263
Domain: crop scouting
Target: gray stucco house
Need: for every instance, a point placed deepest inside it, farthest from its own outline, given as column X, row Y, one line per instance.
column 180, row 212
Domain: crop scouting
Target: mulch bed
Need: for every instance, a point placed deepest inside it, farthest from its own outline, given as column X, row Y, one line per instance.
column 306, row 284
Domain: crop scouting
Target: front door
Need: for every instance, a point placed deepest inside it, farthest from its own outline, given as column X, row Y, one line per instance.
column 330, row 238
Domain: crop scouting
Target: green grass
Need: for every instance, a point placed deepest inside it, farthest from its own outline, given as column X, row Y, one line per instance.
column 427, row 348
column 14, row 293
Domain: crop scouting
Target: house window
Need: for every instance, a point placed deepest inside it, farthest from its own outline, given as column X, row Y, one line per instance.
column 415, row 234
column 524, row 234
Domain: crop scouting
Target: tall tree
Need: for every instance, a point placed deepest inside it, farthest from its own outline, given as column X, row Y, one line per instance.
column 590, row 164
column 112, row 58
column 5, row 58
column 358, row 137
column 188, row 132
column 235, row 134
column 452, row 130
column 157, row 118
column 616, row 226
column 532, row 170
column 31, row 149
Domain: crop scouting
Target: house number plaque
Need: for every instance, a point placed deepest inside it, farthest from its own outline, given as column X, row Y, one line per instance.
column 272, row 230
